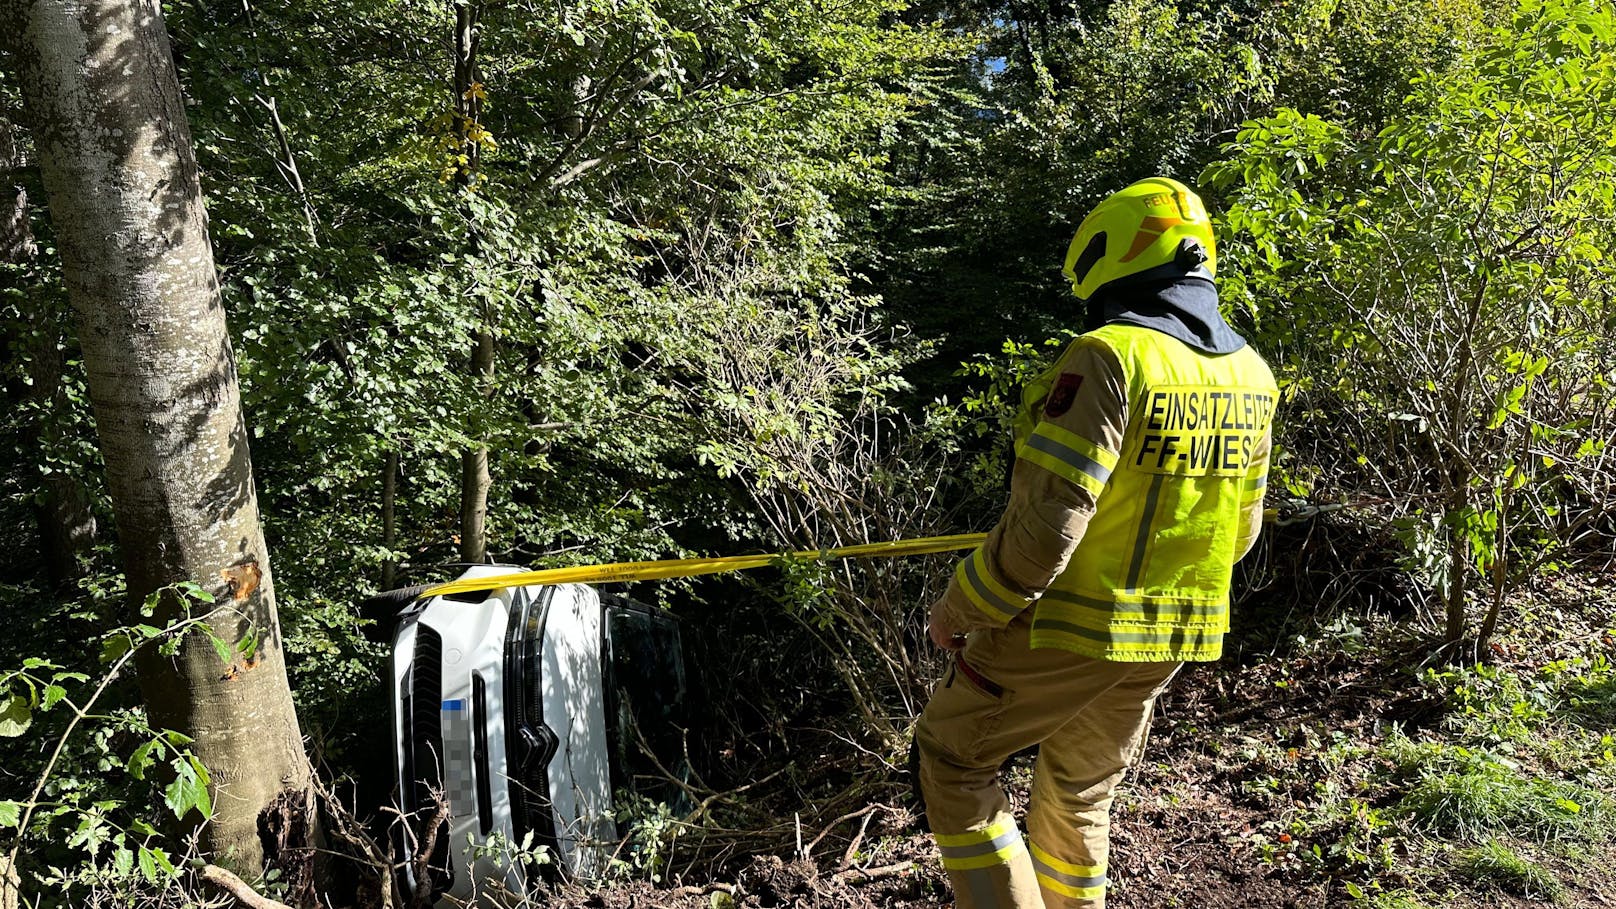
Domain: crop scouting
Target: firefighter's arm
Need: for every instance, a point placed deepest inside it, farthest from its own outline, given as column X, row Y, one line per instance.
column 1060, row 471
column 1251, row 496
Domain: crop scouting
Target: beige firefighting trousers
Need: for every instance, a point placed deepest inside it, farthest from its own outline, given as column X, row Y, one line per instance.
column 1089, row 718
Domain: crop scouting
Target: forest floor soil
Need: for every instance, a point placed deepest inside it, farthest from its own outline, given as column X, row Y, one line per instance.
column 1270, row 781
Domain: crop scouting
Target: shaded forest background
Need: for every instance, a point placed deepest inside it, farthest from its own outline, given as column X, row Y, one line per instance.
column 727, row 277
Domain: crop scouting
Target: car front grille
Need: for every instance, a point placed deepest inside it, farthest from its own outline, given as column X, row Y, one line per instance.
column 425, row 752
column 531, row 744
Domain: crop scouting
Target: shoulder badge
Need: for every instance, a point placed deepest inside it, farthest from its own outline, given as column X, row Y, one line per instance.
column 1063, row 394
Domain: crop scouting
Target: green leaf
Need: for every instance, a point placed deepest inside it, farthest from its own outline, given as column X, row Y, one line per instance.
column 10, row 814
column 115, row 646
column 53, row 696
column 196, row 592
column 248, row 645
column 91, row 833
column 141, row 759
column 219, row 645
column 148, row 865
column 15, row 716
column 189, row 790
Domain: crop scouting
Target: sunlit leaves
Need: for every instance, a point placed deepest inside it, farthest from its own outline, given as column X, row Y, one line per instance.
column 1464, row 246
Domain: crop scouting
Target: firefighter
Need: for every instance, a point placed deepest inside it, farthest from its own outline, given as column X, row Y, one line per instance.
column 1141, row 458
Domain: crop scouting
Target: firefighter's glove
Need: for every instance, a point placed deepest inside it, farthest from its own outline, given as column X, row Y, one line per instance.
column 942, row 628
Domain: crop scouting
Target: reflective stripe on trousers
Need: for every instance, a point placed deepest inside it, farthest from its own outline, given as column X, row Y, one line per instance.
column 984, row 864
column 1088, row 718
column 994, row 844
column 1081, row 882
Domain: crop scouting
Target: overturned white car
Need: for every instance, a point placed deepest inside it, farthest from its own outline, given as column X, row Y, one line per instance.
column 528, row 712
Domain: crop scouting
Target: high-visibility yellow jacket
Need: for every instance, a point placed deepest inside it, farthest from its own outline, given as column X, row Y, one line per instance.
column 1139, row 478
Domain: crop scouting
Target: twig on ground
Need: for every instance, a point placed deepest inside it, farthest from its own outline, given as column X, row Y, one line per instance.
column 862, row 812
column 239, row 889
column 344, row 827
column 706, row 803
column 862, row 875
column 705, row 889
column 852, row 848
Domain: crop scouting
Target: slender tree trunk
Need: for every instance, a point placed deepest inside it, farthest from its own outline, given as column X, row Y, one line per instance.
column 66, row 522
column 10, row 885
column 119, row 169
column 475, row 478
column 475, row 481
column 62, row 512
column 1457, row 587
column 16, row 240
column 389, row 518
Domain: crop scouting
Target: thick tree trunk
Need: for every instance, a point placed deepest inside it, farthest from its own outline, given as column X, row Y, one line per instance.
column 119, row 169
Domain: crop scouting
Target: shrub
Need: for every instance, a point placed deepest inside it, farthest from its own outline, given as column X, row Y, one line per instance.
column 1441, row 289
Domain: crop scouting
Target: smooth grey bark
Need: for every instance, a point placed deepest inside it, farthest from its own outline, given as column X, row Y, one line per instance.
column 120, row 175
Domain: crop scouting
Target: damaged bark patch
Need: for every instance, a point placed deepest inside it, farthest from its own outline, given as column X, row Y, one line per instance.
column 243, row 579
column 286, row 832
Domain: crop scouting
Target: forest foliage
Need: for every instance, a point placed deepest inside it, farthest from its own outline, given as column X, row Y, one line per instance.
column 764, row 276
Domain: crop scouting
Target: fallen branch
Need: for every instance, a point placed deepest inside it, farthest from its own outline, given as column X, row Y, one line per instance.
column 705, row 889
column 864, row 875
column 862, row 812
column 858, row 839
column 239, row 889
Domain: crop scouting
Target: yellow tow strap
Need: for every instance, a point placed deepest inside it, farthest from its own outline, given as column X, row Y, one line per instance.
column 685, row 568
column 616, row 572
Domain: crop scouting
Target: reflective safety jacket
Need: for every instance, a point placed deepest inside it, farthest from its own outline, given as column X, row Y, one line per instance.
column 1139, row 478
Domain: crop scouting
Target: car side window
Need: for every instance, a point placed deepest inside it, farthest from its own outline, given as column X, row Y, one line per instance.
column 647, row 703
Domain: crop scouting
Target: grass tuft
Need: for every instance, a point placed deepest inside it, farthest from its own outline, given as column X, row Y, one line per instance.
column 1502, row 868
column 1475, row 796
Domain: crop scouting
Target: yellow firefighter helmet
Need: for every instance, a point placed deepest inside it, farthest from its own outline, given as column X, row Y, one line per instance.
column 1156, row 228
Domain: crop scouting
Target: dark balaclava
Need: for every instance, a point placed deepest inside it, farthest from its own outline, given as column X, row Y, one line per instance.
column 1185, row 308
